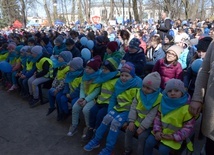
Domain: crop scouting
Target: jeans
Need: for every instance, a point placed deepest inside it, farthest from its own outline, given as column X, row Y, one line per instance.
column 52, row 99
column 97, row 113
column 116, row 121
column 33, row 83
column 141, row 140
column 85, row 109
column 63, row 104
column 151, row 142
column 14, row 80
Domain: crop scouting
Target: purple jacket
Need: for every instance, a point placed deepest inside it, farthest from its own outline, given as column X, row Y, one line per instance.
column 168, row 72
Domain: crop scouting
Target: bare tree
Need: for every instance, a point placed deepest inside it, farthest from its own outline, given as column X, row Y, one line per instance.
column 111, row 9
column 47, row 12
column 135, row 10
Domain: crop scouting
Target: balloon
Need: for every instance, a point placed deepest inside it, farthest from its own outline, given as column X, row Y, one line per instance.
column 83, row 41
column 86, row 54
column 90, row 44
column 5, row 67
column 196, row 65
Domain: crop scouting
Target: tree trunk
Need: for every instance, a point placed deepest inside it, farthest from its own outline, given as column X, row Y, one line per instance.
column 66, row 11
column 47, row 13
column 135, row 10
column 23, row 9
column 111, row 10
column 129, row 9
column 141, row 10
column 73, row 11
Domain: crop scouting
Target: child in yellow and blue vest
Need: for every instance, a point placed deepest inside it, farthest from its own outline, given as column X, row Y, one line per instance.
column 16, row 68
column 107, row 78
column 28, row 68
column 118, row 109
column 143, row 111
column 43, row 73
column 88, row 92
column 55, row 93
column 173, row 123
column 72, row 87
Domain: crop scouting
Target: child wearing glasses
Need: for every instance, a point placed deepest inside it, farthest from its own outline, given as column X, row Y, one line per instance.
column 169, row 67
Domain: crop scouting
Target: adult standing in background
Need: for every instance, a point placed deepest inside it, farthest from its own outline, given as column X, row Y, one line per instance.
column 204, row 97
column 164, row 25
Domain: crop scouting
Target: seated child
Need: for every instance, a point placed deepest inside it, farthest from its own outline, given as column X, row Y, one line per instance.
column 107, row 78
column 55, row 93
column 142, row 112
column 88, row 92
column 118, row 110
column 72, row 87
column 173, row 123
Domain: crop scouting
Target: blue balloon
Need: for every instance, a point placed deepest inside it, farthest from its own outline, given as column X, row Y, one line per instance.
column 86, row 54
column 90, row 44
column 83, row 41
column 196, row 65
column 5, row 67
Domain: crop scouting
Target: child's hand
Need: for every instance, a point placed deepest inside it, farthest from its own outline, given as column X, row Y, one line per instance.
column 123, row 62
column 140, row 130
column 23, row 76
column 158, row 136
column 68, row 96
column 131, row 126
column 83, row 103
column 168, row 136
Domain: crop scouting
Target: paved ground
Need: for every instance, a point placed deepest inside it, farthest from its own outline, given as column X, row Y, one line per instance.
column 26, row 131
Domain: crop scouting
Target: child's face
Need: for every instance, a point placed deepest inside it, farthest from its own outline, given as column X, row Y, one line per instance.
column 89, row 70
column 174, row 93
column 124, row 77
column 60, row 59
column 147, row 90
column 105, row 70
column 108, row 51
column 171, row 56
column 201, row 54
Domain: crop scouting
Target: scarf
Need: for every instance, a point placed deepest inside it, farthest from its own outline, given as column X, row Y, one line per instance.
column 169, row 104
column 120, row 87
column 59, row 64
column 92, row 76
column 103, row 77
column 149, row 99
column 70, row 76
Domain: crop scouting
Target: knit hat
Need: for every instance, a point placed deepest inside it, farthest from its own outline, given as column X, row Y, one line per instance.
column 112, row 46
column 76, row 63
column 31, row 40
column 95, row 62
column 175, row 84
column 203, row 44
column 36, row 50
column 134, row 43
column 45, row 40
column 169, row 37
column 112, row 64
column 129, row 68
column 59, row 40
column 18, row 48
column 177, row 49
column 152, row 80
column 25, row 49
column 11, row 46
column 66, row 55
column 69, row 41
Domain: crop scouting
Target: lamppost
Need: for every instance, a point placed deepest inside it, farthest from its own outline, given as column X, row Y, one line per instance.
column 54, row 10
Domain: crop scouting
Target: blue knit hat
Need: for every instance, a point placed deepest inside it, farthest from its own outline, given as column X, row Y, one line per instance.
column 128, row 67
column 134, row 43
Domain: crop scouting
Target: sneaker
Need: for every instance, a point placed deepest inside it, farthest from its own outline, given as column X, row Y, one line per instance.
column 84, row 132
column 89, row 135
column 105, row 151
column 91, row 145
column 13, row 87
column 50, row 110
column 34, row 103
column 72, row 130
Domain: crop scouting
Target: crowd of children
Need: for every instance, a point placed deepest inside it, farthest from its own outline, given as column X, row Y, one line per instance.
column 110, row 88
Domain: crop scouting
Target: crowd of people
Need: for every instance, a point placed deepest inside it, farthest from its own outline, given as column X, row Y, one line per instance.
column 141, row 77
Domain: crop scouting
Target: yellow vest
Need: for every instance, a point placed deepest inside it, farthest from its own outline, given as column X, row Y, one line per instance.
column 75, row 83
column 40, row 64
column 61, row 73
column 4, row 56
column 29, row 65
column 124, row 100
column 91, row 88
column 173, row 122
column 141, row 110
column 107, row 90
